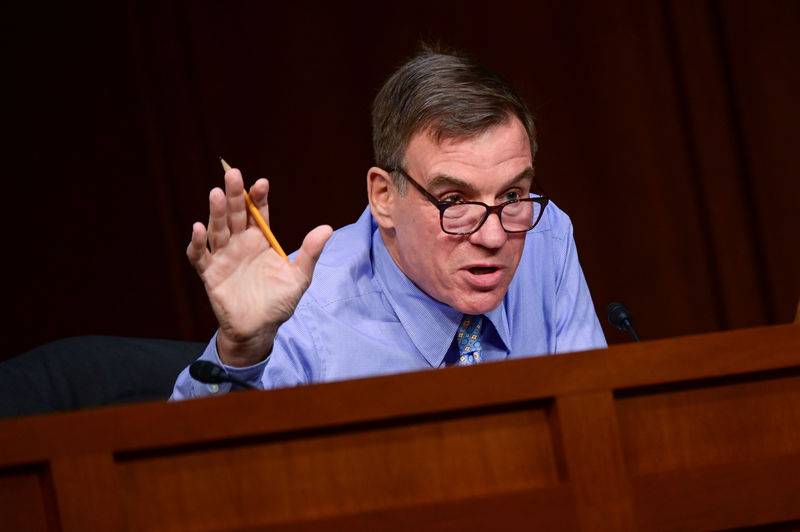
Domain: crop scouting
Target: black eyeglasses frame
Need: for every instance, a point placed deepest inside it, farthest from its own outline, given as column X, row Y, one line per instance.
column 541, row 199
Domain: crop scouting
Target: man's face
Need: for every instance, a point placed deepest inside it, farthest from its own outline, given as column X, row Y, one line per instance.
column 470, row 273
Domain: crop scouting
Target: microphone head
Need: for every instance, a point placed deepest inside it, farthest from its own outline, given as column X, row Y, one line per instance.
column 207, row 372
column 618, row 314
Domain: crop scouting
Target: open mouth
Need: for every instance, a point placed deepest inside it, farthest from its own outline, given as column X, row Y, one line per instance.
column 482, row 270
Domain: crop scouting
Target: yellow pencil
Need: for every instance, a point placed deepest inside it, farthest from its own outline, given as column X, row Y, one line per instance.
column 256, row 214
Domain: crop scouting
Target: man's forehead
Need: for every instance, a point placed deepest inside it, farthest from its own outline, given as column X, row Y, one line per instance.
column 511, row 131
column 443, row 137
column 523, row 177
column 501, row 154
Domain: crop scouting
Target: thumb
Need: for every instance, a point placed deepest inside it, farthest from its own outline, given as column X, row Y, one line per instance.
column 311, row 249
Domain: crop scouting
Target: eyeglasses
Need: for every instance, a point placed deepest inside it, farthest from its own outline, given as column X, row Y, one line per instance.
column 466, row 217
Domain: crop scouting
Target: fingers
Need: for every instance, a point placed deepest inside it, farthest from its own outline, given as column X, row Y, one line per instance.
column 218, row 231
column 197, row 251
column 259, row 193
column 234, row 194
column 311, row 249
column 228, row 213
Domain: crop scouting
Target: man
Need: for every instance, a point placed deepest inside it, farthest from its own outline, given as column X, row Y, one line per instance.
column 456, row 260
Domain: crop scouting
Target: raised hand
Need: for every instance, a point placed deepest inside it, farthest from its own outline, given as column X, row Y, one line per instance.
column 252, row 289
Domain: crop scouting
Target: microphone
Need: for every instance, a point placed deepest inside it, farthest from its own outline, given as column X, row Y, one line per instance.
column 209, row 373
column 620, row 317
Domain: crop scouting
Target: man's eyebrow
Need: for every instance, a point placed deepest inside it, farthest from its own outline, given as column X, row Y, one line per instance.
column 528, row 174
column 443, row 180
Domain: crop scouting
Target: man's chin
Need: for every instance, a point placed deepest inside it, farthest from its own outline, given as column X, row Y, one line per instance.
column 479, row 303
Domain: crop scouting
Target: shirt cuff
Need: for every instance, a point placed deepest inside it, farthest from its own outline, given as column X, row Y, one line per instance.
column 249, row 374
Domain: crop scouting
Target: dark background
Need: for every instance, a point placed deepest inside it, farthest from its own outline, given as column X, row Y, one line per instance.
column 668, row 131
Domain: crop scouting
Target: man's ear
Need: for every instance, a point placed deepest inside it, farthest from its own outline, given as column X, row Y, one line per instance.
column 382, row 196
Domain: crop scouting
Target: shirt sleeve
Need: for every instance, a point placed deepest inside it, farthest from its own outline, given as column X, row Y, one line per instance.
column 294, row 360
column 577, row 326
column 296, row 357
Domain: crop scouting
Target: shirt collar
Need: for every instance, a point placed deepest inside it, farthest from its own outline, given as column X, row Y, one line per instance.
column 430, row 324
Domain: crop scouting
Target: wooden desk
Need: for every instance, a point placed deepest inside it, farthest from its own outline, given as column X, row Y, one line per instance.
column 695, row 433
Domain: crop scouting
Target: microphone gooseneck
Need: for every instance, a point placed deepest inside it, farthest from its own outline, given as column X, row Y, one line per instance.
column 620, row 317
column 210, row 373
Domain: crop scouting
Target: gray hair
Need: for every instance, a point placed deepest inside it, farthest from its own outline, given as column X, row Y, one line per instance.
column 451, row 95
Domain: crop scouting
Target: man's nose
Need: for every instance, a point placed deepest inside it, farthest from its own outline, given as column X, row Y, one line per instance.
column 491, row 234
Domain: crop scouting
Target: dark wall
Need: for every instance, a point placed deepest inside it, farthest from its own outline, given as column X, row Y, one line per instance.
column 668, row 131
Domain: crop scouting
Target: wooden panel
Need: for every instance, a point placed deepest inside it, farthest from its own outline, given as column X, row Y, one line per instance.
column 714, row 453
column 551, row 510
column 131, row 427
column 739, row 494
column 710, row 423
column 701, row 432
column 589, row 441
column 86, row 492
column 26, row 503
column 341, row 473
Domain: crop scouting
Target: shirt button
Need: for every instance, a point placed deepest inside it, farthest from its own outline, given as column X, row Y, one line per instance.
column 213, row 388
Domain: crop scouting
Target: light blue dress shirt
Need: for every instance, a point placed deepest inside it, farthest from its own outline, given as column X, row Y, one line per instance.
column 363, row 317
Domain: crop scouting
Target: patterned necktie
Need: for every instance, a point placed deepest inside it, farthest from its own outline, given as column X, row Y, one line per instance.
column 469, row 340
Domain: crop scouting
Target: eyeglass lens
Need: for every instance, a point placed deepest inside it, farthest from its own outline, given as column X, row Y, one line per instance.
column 466, row 218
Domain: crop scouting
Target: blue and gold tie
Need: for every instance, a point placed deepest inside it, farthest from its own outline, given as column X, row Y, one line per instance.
column 468, row 338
